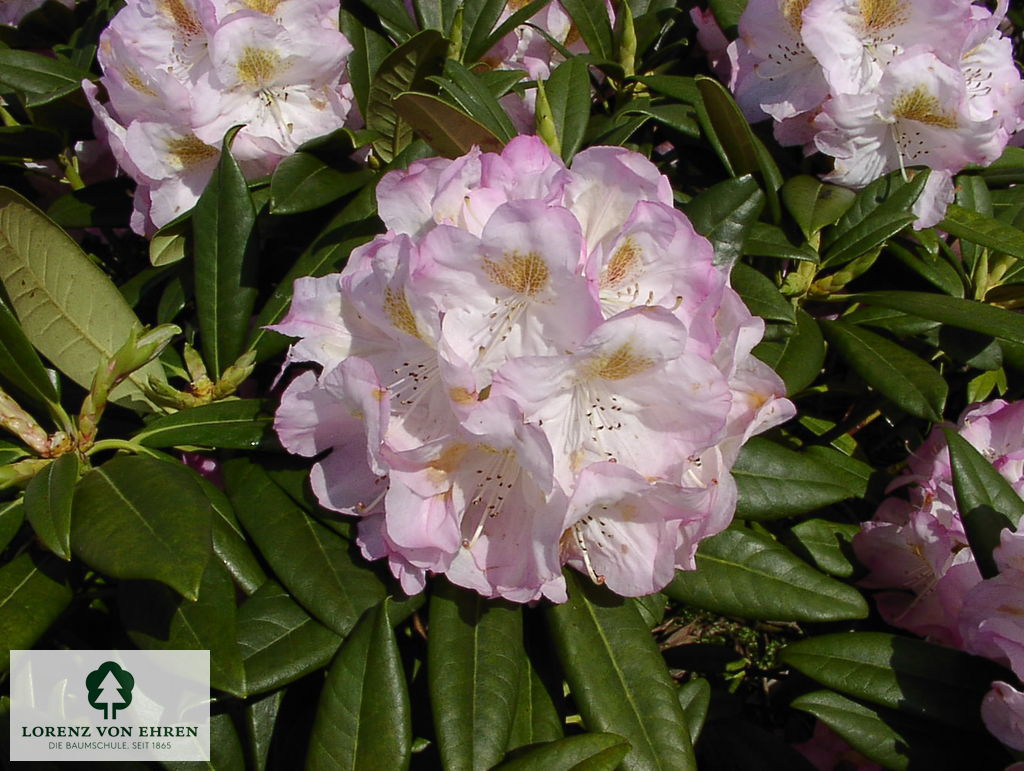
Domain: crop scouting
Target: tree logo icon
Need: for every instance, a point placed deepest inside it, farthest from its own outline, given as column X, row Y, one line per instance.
column 110, row 688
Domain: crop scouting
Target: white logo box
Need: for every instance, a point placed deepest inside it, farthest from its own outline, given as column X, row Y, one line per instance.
column 110, row 705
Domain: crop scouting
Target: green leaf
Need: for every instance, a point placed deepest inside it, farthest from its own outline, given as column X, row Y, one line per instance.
column 987, row 502
column 48, row 503
column 742, row 573
column 879, row 211
column 741, row 152
column 12, row 514
column 475, row 98
column 303, row 182
column 437, row 14
column 406, row 68
column 590, row 751
column 478, row 22
column 815, row 204
column 33, row 593
column 364, row 718
column 536, row 718
column 369, row 50
column 913, row 676
column 984, row 231
column 775, row 482
column 279, row 641
column 68, row 308
column 766, row 240
column 568, row 92
column 475, row 658
column 168, row 244
column 618, row 678
column 727, row 12
column 897, row 741
column 225, row 262
column 447, row 129
column 42, row 78
column 591, row 19
column 236, row 424
column 260, row 721
column 966, row 314
column 138, row 517
column 825, row 544
column 908, row 381
column 394, row 14
column 19, row 363
column 695, row 698
column 725, row 213
column 680, row 117
column 797, row 359
column 158, row 619
column 760, row 294
column 324, row 572
column 229, row 544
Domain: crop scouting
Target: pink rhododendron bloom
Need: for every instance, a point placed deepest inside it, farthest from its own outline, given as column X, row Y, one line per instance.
column 535, row 366
column 878, row 86
column 179, row 73
column 1003, row 712
column 13, row 11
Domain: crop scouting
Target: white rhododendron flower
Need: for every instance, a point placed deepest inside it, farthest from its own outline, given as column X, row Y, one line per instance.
column 879, row 85
column 179, row 73
column 535, row 366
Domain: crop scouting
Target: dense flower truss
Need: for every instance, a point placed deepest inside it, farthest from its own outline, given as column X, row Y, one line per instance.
column 917, row 551
column 179, row 73
column 535, row 366
column 879, row 85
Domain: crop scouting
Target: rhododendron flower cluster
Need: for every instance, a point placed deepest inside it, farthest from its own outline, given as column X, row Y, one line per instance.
column 917, row 550
column 179, row 73
column 879, row 85
column 535, row 366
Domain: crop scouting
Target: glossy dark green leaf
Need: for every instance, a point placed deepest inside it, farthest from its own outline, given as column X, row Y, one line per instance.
column 591, row 19
column 369, row 50
column 536, row 718
column 966, row 314
column 12, row 514
column 825, row 544
column 229, row 543
column 20, row 364
column 897, row 741
column 766, row 240
column 775, row 482
column 815, row 204
column 618, row 678
column 797, row 359
column 364, row 717
column 48, row 503
column 279, row 641
column 476, row 100
column 986, row 501
column 725, row 213
column 68, row 308
column 260, row 721
column 984, row 231
column 158, row 619
column 568, row 92
column 695, row 698
column 438, row 14
column 907, row 380
column 913, row 676
column 743, row 153
column 727, row 12
column 236, row 424
column 760, row 294
column 34, row 592
column 590, row 751
column 225, row 262
column 743, row 573
column 394, row 14
column 879, row 211
column 681, row 117
column 138, row 517
column 406, row 68
column 41, row 78
column 324, row 572
column 475, row 659
column 303, row 182
column 935, row 270
column 478, row 21
column 447, row 129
